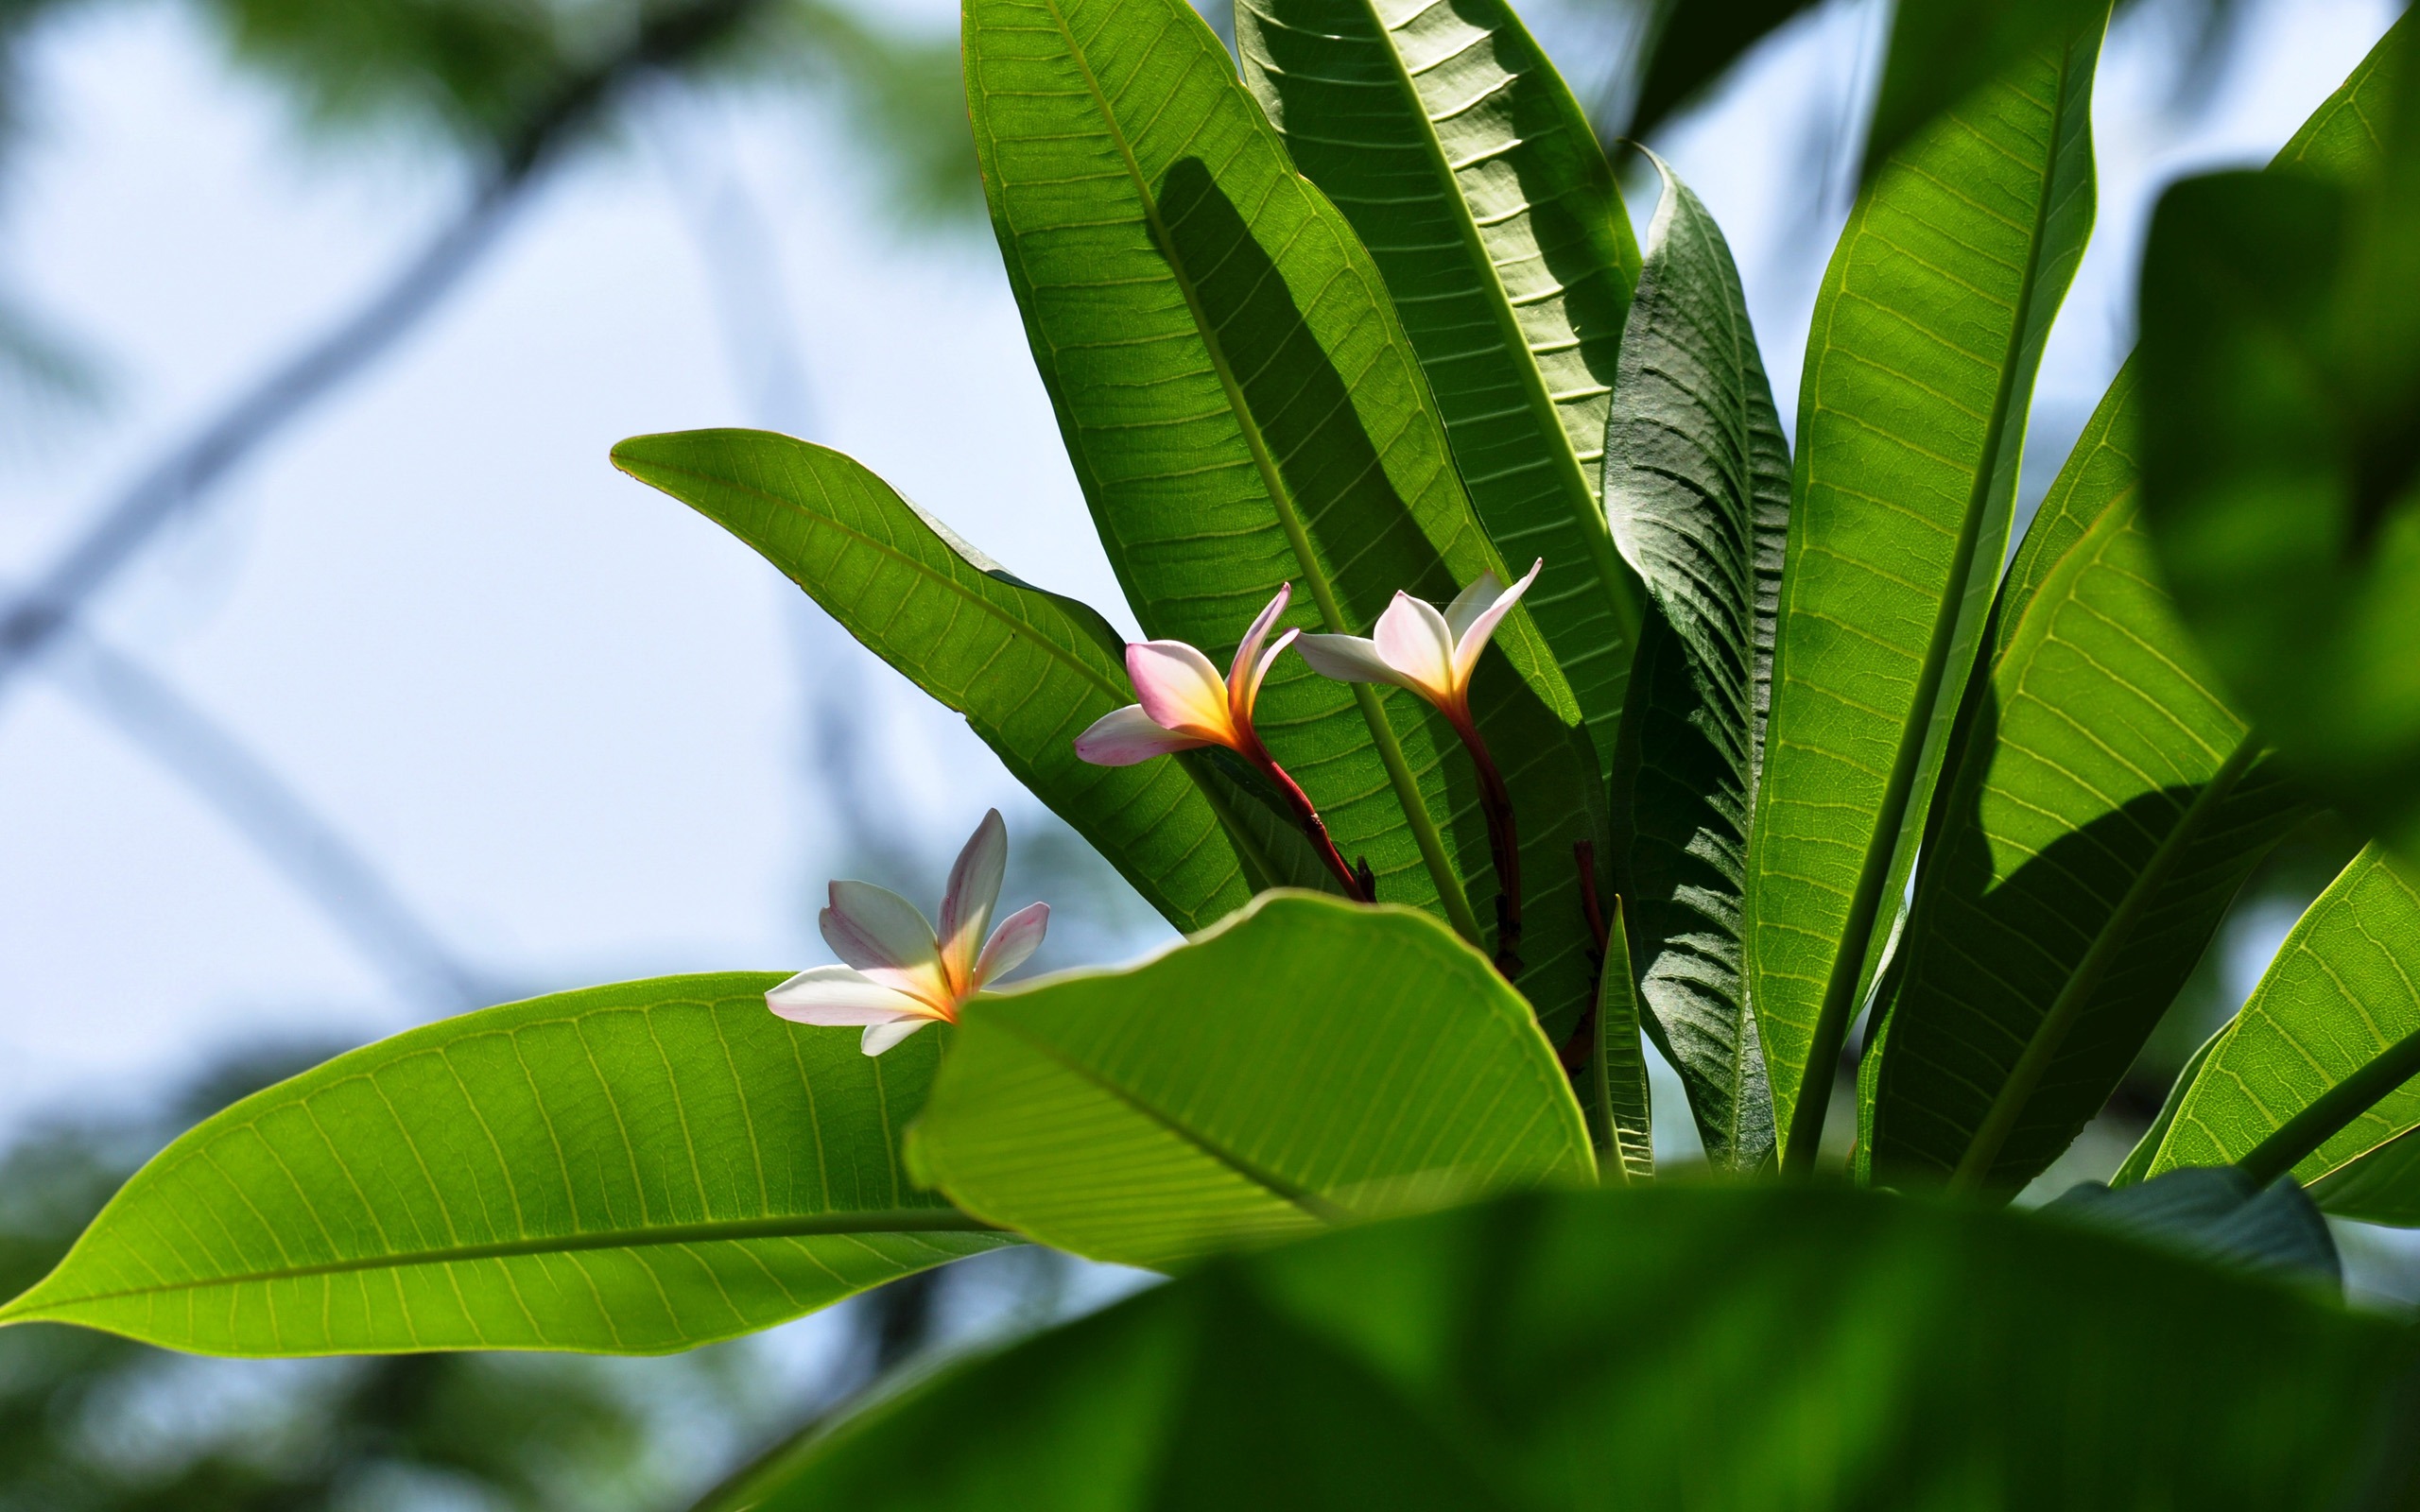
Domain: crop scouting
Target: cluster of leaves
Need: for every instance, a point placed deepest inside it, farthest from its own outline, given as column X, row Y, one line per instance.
column 1787, row 747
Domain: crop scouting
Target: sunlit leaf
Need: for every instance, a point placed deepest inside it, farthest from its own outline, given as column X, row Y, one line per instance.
column 1310, row 1062
column 1242, row 410
column 629, row 1169
column 1928, row 332
column 1470, row 172
column 1667, row 1348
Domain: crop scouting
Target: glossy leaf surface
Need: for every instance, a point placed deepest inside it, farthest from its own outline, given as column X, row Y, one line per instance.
column 2342, row 990
column 2106, row 807
column 1928, row 330
column 1028, row 669
column 2281, row 348
column 1697, row 486
column 1625, row 1349
column 1471, row 174
column 1243, row 410
column 629, row 1169
column 1310, row 1062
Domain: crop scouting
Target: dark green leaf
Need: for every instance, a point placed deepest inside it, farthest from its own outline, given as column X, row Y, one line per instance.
column 2281, row 349
column 1920, row 366
column 1697, row 486
column 2217, row 1214
column 1028, row 669
column 1667, row 1348
column 1243, row 410
column 1461, row 158
column 2138, row 1161
column 2339, row 991
column 1311, row 1061
column 631, row 1169
column 1694, row 44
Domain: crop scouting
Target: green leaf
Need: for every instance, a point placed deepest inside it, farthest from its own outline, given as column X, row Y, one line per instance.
column 1662, row 1347
column 2106, row 807
column 1920, row 366
column 1472, row 175
column 1243, row 410
column 2218, row 1212
column 1621, row 1108
column 2281, row 348
column 631, row 1169
column 1310, row 1061
column 1696, row 485
column 2339, row 992
column 2138, row 1159
column 2381, row 1187
column 1028, row 669
column 1944, row 53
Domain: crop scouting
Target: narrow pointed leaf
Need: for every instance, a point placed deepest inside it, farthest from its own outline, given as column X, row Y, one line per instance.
column 1928, row 332
column 629, row 1169
column 1472, row 175
column 1697, row 486
column 2342, row 990
column 1028, row 669
column 1310, row 1062
column 1617, row 1349
column 2281, row 350
column 1621, row 1104
column 1243, row 410
column 2107, row 807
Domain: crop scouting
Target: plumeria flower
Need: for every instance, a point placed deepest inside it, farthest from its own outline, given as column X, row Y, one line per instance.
column 1434, row 655
column 902, row 973
column 1416, row 648
column 1184, row 705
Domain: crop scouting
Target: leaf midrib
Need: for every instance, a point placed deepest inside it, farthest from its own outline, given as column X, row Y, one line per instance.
column 788, row 1226
column 1813, row 1098
column 1281, row 498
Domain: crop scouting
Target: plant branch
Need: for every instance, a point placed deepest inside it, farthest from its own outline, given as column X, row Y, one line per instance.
column 180, row 481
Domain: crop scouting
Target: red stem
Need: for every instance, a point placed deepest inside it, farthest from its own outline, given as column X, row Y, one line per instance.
column 1314, row 827
column 1503, row 844
column 1576, row 1051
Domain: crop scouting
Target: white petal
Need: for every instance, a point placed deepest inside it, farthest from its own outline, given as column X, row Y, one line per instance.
column 1468, row 604
column 1411, row 638
column 1474, row 639
column 1260, row 675
column 1124, row 736
column 873, row 928
column 974, row 888
column 1179, row 688
column 1240, row 682
column 1017, row 937
column 833, row 995
column 1347, row 659
column 881, row 1037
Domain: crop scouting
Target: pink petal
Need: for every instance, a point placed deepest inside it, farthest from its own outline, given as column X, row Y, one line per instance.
column 1125, row 736
column 1347, row 659
column 881, row 1037
column 1180, row 690
column 873, row 929
column 1473, row 638
column 1239, row 691
column 974, row 888
column 1260, row 675
column 836, row 996
column 1411, row 638
column 1468, row 604
column 1017, row 939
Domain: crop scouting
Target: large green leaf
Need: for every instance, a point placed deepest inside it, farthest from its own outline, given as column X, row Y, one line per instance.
column 1308, row 1062
column 2342, row 990
column 1028, row 669
column 1920, row 365
column 1945, row 53
column 2106, row 808
column 2046, row 949
column 2281, row 348
column 629, row 1169
column 1243, row 410
column 1471, row 174
column 1697, row 486
column 1781, row 1350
